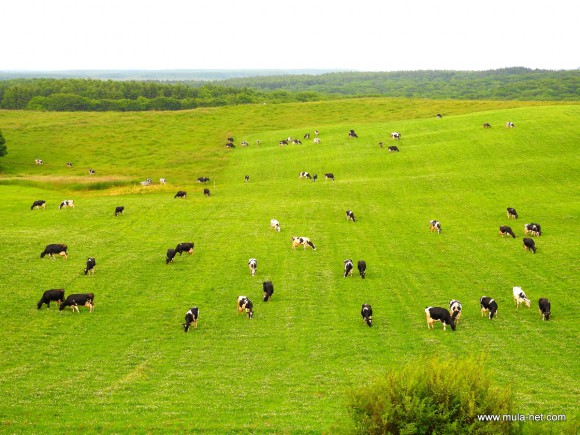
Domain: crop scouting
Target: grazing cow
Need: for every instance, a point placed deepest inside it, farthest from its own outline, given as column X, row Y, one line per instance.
column 67, row 203
column 304, row 241
column 184, row 247
column 316, row 140
column 191, row 318
column 511, row 213
column 91, row 172
column 487, row 125
column 268, row 290
column 380, row 145
column 348, row 267
column 206, row 192
column 253, row 265
column 395, row 135
column 329, row 176
column 38, row 162
column 438, row 314
column 306, row 136
column 170, row 256
column 529, row 245
column 230, row 139
column 244, row 304
column 455, row 310
column 488, row 305
column 40, row 203
column 504, row 231
column 244, row 143
column 438, row 116
column 119, row 210
column 275, row 224
column 246, row 178
column 296, row 142
column 350, row 216
column 303, row 175
column 520, row 297
column 257, row 141
column 533, row 229
column 544, row 308
column 435, row 226
column 509, row 124
column 283, row 142
column 69, row 164
column 393, row 149
column 180, row 194
column 202, row 180
column 314, row 177
column 91, row 263
column 316, row 132
column 362, row 268
column 79, row 299
column 367, row 314
column 351, row 133
column 162, row 180
column 55, row 249
column 48, row 296
column 147, row 182
column 230, row 145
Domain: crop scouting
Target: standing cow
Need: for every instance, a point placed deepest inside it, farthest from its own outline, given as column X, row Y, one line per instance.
column 253, row 265
column 184, row 247
column 268, row 288
column 80, row 299
column 119, row 210
column 245, row 305
column 367, row 314
column 348, row 267
column 435, row 225
column 90, row 268
column 350, row 216
column 545, row 308
column 55, row 249
column 488, row 305
column 529, row 245
column 362, row 268
column 438, row 314
column 191, row 318
column 170, row 256
column 67, row 203
column 48, row 296
column 180, row 194
column 275, row 224
column 41, row 203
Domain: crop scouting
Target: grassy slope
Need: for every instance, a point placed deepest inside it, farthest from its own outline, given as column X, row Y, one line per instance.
column 291, row 366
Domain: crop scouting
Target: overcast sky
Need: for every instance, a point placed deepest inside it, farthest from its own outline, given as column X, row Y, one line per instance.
column 363, row 35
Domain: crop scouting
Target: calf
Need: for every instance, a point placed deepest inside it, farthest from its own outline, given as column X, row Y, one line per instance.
column 244, row 304
column 533, row 229
column 455, row 310
column 511, row 213
column 504, row 231
column 520, row 297
column 119, row 210
column 91, row 263
column 206, row 192
column 367, row 314
column 67, row 203
column 304, row 241
column 170, row 256
column 329, row 176
column 268, row 290
column 348, row 267
column 41, row 203
column 180, row 194
column 362, row 268
column 395, row 135
column 393, row 149
column 184, row 247
column 303, row 175
column 275, row 224
column 435, row 226
column 351, row 134
column 438, row 314
column 529, row 245
column 82, row 299
column 91, row 172
column 488, row 305
column 253, row 265
column 48, row 296
column 38, row 162
column 191, row 318
column 55, row 249
column 544, row 307
column 350, row 216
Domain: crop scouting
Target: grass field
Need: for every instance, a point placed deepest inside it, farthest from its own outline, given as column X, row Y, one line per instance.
column 129, row 367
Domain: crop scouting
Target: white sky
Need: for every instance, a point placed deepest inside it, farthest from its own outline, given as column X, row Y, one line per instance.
column 363, row 35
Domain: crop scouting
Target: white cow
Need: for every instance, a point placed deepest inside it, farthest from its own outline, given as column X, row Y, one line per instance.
column 275, row 224
column 520, row 297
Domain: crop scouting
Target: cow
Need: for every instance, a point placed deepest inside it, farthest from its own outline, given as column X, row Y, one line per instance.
column 253, row 265
column 191, row 318
column 511, row 213
column 329, row 176
column 350, row 216
column 304, row 241
column 170, row 256
column 180, row 194
column 393, row 149
column 533, row 229
column 303, row 175
column 162, row 180
column 230, row 145
column 520, row 297
column 184, row 247
column 206, row 192
column 67, row 203
column 529, row 244
column 488, row 305
column 119, row 210
column 380, row 145
column 438, row 116
column 509, row 124
column 438, row 314
column 202, row 180
column 147, row 182
column 245, row 305
column 487, row 125
column 544, row 308
column 38, row 162
column 283, row 142
column 314, row 177
column 296, row 142
column 367, row 314
column 395, row 135
column 48, row 296
column 257, row 141
column 435, row 225
column 316, row 132
column 505, row 230
column 40, row 203
column 91, row 172
column 306, row 136
column 275, row 224
column 55, row 249
column 455, row 310
column 352, row 134
column 362, row 268
column 230, row 139
column 348, row 267
column 82, row 299
column 69, row 164
column 268, row 288
column 244, row 143
column 316, row 140
column 90, row 268
column 246, row 178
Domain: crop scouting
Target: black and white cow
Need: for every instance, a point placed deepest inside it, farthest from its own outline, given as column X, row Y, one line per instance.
column 314, row 177
column 119, row 210
column 487, row 125
column 283, row 142
column 438, row 314
column 455, row 310
column 393, row 149
column 511, row 213
column 395, row 135
column 296, row 142
column 90, row 268
column 170, row 256
column 67, row 203
column 367, row 314
column 202, row 180
column 435, row 225
column 351, row 134
column 230, row 145
column 268, row 288
column 329, row 176
column 304, row 175
column 253, row 265
column 544, row 308
column 246, row 178
column 245, row 305
column 69, row 164
column 40, row 203
column 316, row 140
column 147, row 182
column 275, row 224
column 533, row 229
column 304, row 241
column 48, row 296
column 529, row 244
column 244, row 143
column 438, row 116
column 184, row 247
column 180, row 194
column 505, row 230
column 488, row 305
column 520, row 297
column 362, row 268
column 91, row 172
column 306, row 136
column 79, row 299
column 38, row 162
column 350, row 216
column 163, row 180
column 348, row 267
column 191, row 318
column 55, row 249
column 509, row 124
column 230, row 139
column 316, row 132
column 206, row 192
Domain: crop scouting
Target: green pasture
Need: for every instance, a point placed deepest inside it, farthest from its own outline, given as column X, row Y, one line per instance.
column 129, row 367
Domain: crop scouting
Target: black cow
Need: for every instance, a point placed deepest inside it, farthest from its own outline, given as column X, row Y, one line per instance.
column 307, row 136
column 283, row 142
column 529, row 245
column 119, row 210
column 314, row 177
column 41, row 203
column 362, row 268
column 191, row 318
column 230, row 139
column 329, row 176
column 350, row 216
column 348, row 267
column 544, row 307
column 438, row 116
column 488, row 305
column 91, row 263
column 268, row 290
column 438, row 314
column 246, row 178
column 184, row 247
column 230, row 145
column 69, row 164
column 180, row 194
column 533, row 229
column 48, row 296
column 351, row 133
column 82, row 299
column 487, row 125
column 55, row 249
column 202, row 180
column 367, row 314
column 455, row 310
column 435, row 225
column 505, row 230
column 206, row 192
column 393, row 149
column 170, row 256
column 244, row 304
column 511, row 213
